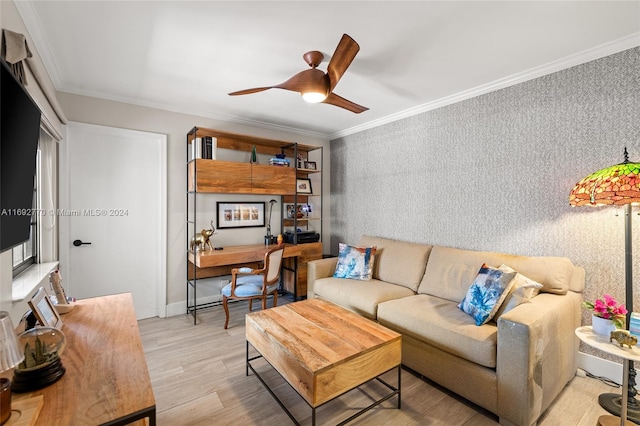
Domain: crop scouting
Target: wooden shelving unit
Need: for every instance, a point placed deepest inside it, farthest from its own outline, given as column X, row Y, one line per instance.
column 228, row 177
column 207, row 176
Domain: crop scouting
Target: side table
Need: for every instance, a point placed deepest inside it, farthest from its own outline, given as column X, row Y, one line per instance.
column 602, row 343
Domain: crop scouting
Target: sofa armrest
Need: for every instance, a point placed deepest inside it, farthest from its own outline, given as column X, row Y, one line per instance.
column 316, row 269
column 537, row 355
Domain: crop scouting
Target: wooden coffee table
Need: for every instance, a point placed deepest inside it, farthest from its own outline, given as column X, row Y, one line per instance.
column 323, row 351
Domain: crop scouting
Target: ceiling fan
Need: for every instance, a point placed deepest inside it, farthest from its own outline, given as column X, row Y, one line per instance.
column 316, row 86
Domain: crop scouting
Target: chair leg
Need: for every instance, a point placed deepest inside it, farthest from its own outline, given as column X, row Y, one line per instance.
column 250, row 304
column 226, row 310
column 275, row 298
column 264, row 303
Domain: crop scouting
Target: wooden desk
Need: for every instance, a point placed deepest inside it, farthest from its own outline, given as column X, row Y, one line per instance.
column 234, row 255
column 107, row 381
column 215, row 263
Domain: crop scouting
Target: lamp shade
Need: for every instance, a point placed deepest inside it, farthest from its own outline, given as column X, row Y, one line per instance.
column 10, row 354
column 615, row 185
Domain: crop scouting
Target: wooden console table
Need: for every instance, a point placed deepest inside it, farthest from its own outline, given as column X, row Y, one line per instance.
column 107, row 381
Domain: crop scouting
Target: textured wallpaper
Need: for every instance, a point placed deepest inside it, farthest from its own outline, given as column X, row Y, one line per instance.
column 494, row 172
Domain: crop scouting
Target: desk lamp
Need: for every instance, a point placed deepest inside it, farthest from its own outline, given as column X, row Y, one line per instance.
column 616, row 186
column 269, row 239
column 10, row 356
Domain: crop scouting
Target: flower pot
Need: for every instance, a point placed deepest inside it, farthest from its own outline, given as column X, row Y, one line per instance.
column 602, row 326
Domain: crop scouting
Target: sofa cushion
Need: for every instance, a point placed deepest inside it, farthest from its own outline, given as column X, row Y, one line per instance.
column 522, row 290
column 361, row 297
column 398, row 262
column 439, row 322
column 489, row 289
column 450, row 271
column 355, row 263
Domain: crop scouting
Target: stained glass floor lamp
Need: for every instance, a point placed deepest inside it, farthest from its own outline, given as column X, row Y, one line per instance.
column 617, row 185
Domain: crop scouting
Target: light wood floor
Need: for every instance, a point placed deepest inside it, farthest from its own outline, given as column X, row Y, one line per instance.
column 198, row 377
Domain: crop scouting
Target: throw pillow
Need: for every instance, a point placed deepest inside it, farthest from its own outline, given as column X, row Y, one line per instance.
column 355, row 263
column 486, row 294
column 523, row 290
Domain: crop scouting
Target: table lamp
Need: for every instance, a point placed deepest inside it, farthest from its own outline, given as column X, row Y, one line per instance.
column 618, row 185
column 10, row 356
column 269, row 238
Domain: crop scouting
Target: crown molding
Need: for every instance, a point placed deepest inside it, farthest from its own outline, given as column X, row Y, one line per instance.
column 585, row 56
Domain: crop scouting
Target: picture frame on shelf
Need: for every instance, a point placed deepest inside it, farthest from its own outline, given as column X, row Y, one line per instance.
column 239, row 214
column 292, row 212
column 303, row 186
column 310, row 165
column 44, row 311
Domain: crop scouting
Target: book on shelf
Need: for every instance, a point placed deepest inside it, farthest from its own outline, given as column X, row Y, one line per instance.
column 204, row 147
column 280, row 162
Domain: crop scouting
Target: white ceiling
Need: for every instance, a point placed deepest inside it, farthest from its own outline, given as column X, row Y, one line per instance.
column 414, row 56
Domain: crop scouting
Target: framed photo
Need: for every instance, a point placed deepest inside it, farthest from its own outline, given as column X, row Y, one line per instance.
column 310, row 165
column 292, row 212
column 303, row 186
column 239, row 215
column 43, row 309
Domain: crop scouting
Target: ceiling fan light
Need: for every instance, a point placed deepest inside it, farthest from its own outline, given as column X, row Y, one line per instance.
column 314, row 97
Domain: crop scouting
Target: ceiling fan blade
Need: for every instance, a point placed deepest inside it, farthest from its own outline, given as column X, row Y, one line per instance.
column 249, row 91
column 305, row 81
column 301, row 82
column 341, row 102
column 341, row 59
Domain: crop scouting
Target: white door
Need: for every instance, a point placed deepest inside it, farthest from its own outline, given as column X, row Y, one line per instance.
column 113, row 206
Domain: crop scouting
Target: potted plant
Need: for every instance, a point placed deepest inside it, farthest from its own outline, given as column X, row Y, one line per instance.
column 608, row 314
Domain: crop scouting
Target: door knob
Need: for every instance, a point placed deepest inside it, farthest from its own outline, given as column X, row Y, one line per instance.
column 78, row 243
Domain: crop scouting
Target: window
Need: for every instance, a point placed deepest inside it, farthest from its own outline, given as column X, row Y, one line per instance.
column 26, row 254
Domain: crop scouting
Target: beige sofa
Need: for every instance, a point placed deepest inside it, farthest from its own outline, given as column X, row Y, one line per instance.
column 513, row 366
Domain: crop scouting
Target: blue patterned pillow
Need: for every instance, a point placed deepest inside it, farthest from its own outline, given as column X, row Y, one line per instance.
column 355, row 263
column 486, row 294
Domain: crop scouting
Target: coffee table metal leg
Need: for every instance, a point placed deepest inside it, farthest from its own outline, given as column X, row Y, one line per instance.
column 399, row 386
column 280, row 403
column 395, row 391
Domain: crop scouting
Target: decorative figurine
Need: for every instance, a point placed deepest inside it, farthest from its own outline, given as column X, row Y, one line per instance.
column 202, row 240
column 623, row 337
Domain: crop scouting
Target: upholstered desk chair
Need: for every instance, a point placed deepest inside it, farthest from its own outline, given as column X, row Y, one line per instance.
column 252, row 284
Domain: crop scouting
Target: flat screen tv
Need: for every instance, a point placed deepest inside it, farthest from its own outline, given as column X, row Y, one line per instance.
column 19, row 134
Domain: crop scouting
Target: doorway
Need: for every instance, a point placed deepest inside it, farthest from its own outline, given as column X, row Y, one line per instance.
column 112, row 215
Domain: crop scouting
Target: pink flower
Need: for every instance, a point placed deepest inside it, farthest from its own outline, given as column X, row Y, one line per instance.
column 608, row 308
